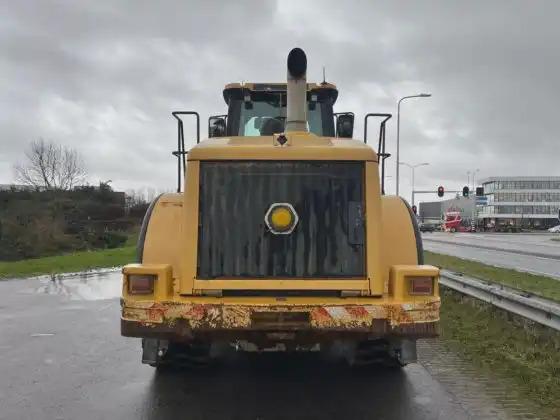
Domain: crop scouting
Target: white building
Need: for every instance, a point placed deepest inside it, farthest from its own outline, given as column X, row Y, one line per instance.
column 527, row 201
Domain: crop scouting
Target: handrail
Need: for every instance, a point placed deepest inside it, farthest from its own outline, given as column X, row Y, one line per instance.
column 381, row 144
column 181, row 152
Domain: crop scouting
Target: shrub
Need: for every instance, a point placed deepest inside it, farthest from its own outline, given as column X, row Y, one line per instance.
column 114, row 239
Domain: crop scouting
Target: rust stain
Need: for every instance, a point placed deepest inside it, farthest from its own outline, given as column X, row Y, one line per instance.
column 196, row 312
column 220, row 316
column 320, row 315
column 357, row 311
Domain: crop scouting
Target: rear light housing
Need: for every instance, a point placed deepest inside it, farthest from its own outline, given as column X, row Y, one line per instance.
column 421, row 286
column 141, row 284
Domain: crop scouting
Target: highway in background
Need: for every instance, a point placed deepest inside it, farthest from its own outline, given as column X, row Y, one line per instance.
column 531, row 252
column 63, row 358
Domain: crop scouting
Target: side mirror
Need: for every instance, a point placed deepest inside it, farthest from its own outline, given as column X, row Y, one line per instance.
column 345, row 125
column 312, row 103
column 217, row 126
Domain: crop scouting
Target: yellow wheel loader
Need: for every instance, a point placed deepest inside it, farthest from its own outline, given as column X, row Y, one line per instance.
column 281, row 239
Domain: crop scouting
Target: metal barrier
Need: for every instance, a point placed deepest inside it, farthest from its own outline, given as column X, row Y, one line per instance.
column 535, row 308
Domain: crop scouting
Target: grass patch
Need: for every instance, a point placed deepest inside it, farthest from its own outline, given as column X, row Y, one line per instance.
column 133, row 237
column 539, row 285
column 527, row 356
column 78, row 261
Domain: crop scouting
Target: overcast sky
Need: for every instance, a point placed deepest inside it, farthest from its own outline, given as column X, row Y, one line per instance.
column 103, row 77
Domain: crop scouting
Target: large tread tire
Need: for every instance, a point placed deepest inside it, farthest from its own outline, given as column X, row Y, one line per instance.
column 374, row 354
column 185, row 355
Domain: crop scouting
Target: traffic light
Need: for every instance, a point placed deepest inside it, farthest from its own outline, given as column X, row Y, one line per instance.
column 480, row 191
column 465, row 191
column 414, row 209
column 440, row 191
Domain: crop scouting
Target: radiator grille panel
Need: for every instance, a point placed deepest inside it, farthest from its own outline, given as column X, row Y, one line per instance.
column 234, row 241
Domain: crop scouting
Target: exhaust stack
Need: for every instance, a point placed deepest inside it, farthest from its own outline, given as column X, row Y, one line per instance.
column 296, row 118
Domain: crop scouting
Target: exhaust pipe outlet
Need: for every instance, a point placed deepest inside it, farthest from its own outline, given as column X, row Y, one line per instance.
column 296, row 113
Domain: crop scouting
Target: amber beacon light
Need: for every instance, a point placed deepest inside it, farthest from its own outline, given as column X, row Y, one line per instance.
column 281, row 218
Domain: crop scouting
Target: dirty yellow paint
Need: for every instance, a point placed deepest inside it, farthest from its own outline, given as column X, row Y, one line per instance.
column 208, row 316
column 382, row 301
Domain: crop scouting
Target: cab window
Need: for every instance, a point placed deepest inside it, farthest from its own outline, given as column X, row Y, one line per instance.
column 266, row 115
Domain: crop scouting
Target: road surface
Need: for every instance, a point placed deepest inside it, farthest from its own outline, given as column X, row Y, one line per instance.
column 531, row 252
column 63, row 358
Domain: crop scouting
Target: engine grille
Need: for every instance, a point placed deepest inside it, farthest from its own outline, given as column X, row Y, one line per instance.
column 235, row 242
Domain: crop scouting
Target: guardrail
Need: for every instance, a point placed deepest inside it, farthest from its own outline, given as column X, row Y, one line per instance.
column 535, row 308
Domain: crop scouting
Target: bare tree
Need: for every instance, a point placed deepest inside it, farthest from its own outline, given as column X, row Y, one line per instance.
column 51, row 166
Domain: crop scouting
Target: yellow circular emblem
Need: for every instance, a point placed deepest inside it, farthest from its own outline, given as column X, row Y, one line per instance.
column 281, row 218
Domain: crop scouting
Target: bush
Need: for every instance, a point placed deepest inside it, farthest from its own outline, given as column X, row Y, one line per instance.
column 43, row 223
column 114, row 239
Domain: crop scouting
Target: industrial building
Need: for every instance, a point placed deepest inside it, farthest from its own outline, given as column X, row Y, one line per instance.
column 522, row 201
column 434, row 211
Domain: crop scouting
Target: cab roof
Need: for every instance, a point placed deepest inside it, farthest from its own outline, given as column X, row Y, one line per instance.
column 236, row 90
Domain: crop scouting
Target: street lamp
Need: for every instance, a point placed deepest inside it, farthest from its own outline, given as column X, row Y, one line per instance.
column 420, row 95
column 413, row 167
column 473, row 178
column 474, row 209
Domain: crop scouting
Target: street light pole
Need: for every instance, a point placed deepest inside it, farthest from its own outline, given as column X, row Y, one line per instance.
column 474, row 215
column 421, row 95
column 474, row 179
column 413, row 167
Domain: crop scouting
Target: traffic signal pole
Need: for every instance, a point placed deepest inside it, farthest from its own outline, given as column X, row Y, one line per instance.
column 440, row 192
column 414, row 192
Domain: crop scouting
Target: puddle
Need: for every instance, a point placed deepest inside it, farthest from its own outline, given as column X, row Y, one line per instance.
column 86, row 286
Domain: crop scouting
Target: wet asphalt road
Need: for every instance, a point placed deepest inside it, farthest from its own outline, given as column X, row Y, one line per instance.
column 532, row 252
column 62, row 357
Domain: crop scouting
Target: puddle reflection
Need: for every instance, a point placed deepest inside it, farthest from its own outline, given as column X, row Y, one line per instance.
column 85, row 286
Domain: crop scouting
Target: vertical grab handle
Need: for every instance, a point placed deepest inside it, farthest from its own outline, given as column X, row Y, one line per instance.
column 381, row 143
column 180, row 153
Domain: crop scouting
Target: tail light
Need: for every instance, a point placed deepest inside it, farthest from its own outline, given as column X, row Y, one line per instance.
column 141, row 284
column 421, row 286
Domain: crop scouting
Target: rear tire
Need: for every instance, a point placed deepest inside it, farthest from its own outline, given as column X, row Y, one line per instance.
column 374, row 353
column 192, row 355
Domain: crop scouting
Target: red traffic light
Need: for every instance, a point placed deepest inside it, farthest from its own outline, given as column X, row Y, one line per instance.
column 414, row 210
column 440, row 191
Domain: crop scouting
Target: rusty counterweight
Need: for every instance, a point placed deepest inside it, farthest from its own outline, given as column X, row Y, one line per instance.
column 172, row 319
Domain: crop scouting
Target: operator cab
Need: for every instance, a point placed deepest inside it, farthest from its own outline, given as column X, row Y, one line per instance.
column 258, row 109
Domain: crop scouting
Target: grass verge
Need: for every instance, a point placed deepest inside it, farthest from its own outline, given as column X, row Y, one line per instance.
column 78, row 261
column 540, row 285
column 526, row 355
